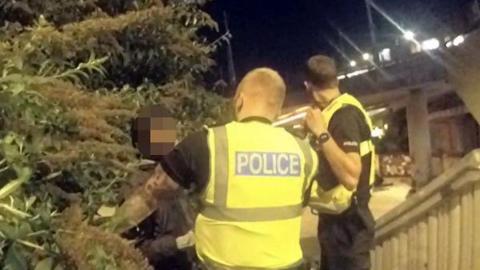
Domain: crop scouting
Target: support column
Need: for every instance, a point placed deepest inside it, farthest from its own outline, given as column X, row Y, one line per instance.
column 419, row 137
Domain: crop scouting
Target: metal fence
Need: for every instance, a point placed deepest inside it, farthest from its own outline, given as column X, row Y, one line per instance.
column 438, row 228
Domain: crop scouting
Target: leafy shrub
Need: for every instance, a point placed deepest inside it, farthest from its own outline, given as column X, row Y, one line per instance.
column 64, row 117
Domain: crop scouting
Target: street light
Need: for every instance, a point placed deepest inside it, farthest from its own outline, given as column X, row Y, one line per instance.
column 430, row 44
column 385, row 55
column 409, row 35
column 353, row 63
column 458, row 40
column 366, row 56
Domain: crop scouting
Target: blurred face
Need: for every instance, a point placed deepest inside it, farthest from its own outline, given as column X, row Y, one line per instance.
column 156, row 134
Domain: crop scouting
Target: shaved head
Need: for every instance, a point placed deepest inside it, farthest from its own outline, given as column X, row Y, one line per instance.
column 262, row 89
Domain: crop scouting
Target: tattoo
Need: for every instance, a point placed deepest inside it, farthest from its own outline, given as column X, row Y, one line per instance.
column 160, row 185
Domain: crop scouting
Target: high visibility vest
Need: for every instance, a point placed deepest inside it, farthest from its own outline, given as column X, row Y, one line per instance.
column 252, row 205
column 338, row 199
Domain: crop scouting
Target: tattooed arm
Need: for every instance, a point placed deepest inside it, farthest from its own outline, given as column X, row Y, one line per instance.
column 187, row 166
column 144, row 201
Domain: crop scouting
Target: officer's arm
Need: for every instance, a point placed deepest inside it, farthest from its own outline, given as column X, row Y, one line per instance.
column 346, row 166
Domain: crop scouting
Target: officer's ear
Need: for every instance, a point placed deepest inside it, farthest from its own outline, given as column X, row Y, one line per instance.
column 238, row 102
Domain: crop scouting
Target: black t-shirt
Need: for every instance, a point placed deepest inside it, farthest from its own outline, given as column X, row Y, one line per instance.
column 348, row 127
column 188, row 163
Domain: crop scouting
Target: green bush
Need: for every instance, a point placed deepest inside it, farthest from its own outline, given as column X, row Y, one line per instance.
column 68, row 92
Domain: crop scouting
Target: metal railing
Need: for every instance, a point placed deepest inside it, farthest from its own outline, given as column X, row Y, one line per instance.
column 437, row 228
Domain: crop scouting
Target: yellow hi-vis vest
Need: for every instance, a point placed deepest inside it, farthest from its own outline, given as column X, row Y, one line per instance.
column 252, row 209
column 338, row 199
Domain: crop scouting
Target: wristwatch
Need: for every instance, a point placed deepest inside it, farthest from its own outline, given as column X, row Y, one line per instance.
column 320, row 140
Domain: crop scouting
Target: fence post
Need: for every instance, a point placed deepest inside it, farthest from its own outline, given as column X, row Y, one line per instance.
column 396, row 253
column 422, row 245
column 454, row 233
column 403, row 256
column 433, row 240
column 467, row 231
column 476, row 232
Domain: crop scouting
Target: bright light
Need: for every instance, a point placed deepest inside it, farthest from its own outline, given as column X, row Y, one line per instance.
column 458, row 40
column 372, row 113
column 385, row 55
column 341, row 77
column 378, row 132
column 409, row 35
column 353, row 63
column 290, row 119
column 449, row 44
column 366, row 56
column 356, row 73
column 430, row 44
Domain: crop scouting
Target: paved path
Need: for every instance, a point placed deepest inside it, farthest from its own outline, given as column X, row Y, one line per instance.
column 382, row 201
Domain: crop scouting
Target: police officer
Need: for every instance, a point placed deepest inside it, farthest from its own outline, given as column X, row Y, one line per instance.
column 252, row 178
column 342, row 137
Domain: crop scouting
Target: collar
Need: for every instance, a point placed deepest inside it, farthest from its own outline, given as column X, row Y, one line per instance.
column 256, row 119
column 333, row 101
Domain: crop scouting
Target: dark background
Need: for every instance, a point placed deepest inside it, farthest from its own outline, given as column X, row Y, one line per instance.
column 283, row 33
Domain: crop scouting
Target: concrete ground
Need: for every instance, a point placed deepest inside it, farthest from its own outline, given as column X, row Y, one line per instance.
column 383, row 200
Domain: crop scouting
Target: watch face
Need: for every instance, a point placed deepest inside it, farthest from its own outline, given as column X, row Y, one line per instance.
column 323, row 137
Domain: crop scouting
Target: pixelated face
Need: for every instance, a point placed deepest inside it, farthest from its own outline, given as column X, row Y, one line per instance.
column 156, row 132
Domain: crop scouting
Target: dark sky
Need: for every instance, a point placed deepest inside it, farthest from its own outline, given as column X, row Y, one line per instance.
column 283, row 33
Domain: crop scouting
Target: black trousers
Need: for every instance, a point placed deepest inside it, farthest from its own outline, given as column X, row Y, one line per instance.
column 346, row 240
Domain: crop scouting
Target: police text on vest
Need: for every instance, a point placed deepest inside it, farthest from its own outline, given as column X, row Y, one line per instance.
column 267, row 164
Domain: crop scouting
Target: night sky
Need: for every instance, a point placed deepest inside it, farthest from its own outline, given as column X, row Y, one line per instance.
column 283, row 33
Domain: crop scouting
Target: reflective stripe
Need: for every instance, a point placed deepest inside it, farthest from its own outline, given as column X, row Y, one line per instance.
column 365, row 147
column 337, row 199
column 308, row 161
column 252, row 214
column 221, row 166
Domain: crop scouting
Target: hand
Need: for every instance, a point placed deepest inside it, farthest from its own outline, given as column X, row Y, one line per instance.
column 315, row 122
column 185, row 241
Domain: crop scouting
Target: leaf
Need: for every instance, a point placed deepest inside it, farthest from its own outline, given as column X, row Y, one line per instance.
column 59, row 267
column 14, row 211
column 23, row 230
column 14, row 260
column 29, row 202
column 106, row 211
column 17, row 87
column 8, row 231
column 45, row 264
column 10, row 188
